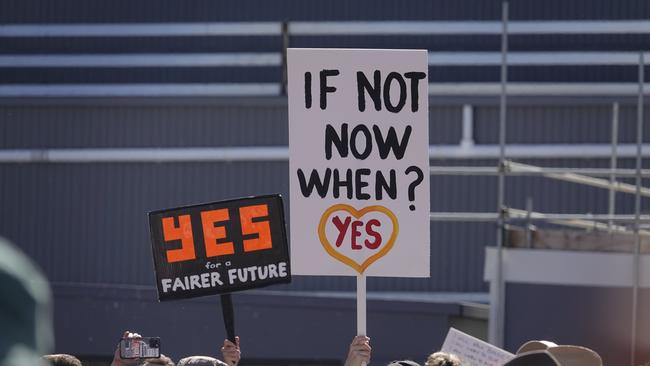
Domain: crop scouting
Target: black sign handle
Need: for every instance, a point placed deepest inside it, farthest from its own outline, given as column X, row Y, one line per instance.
column 228, row 316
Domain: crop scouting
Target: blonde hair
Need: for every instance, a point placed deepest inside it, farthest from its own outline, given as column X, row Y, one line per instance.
column 162, row 360
column 443, row 359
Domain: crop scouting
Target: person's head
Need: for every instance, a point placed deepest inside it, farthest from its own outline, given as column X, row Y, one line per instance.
column 404, row 363
column 62, row 360
column 25, row 309
column 160, row 361
column 443, row 359
column 200, row 361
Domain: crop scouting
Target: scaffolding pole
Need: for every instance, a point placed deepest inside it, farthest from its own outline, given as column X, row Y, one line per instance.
column 513, row 214
column 637, row 211
column 613, row 162
column 497, row 288
column 582, row 179
column 538, row 171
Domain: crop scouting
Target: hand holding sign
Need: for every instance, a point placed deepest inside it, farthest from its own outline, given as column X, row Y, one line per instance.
column 359, row 352
column 231, row 352
column 218, row 248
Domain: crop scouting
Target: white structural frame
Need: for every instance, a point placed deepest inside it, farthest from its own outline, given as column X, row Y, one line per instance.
column 497, row 284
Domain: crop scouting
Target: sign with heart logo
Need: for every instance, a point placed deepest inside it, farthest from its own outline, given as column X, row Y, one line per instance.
column 358, row 162
column 358, row 238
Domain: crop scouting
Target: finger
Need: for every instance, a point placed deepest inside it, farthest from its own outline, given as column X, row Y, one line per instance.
column 229, row 342
column 361, row 347
column 360, row 339
column 237, row 341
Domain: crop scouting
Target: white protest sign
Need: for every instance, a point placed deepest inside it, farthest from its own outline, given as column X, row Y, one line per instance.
column 359, row 162
column 473, row 351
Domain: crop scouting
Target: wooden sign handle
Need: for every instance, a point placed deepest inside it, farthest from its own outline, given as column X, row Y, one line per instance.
column 228, row 316
column 361, row 306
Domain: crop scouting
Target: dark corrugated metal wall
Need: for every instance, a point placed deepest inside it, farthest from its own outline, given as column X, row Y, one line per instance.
column 87, row 222
column 84, row 11
column 263, row 121
column 34, row 11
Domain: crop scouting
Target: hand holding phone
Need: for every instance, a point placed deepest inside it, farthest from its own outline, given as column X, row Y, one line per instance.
column 141, row 347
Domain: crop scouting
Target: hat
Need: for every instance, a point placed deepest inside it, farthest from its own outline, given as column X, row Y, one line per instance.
column 403, row 363
column 545, row 353
column 200, row 361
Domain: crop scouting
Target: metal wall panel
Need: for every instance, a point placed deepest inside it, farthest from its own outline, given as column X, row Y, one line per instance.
column 209, row 124
column 37, row 11
column 69, row 126
column 87, row 222
column 75, row 219
column 80, row 11
column 566, row 124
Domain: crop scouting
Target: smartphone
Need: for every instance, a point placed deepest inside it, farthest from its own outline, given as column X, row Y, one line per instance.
column 145, row 347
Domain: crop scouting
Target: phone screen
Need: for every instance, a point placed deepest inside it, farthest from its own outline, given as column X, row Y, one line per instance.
column 145, row 347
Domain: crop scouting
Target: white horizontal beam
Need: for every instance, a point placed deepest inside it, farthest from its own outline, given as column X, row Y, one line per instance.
column 537, row 89
column 566, row 268
column 142, row 29
column 534, row 58
column 534, row 151
column 145, row 155
column 341, row 28
column 534, row 216
column 275, row 59
column 468, row 27
column 493, row 170
column 143, row 60
column 281, row 153
column 140, row 90
column 268, row 89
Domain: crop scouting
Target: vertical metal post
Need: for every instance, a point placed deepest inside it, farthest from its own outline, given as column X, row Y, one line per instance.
column 614, row 158
column 467, row 140
column 497, row 295
column 637, row 210
column 285, row 45
column 529, row 225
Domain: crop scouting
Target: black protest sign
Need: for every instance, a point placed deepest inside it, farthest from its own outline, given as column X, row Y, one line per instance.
column 219, row 247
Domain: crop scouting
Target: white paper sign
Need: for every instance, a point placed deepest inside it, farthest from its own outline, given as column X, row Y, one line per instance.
column 473, row 351
column 359, row 162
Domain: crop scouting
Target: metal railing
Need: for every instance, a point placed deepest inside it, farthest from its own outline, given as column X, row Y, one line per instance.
column 286, row 30
column 505, row 214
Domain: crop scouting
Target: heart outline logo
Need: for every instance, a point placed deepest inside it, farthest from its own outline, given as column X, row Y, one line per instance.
column 360, row 268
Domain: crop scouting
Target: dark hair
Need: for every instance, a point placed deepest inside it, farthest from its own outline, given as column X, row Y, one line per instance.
column 404, row 363
column 62, row 360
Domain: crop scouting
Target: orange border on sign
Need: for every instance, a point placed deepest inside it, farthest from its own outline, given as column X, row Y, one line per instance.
column 358, row 214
